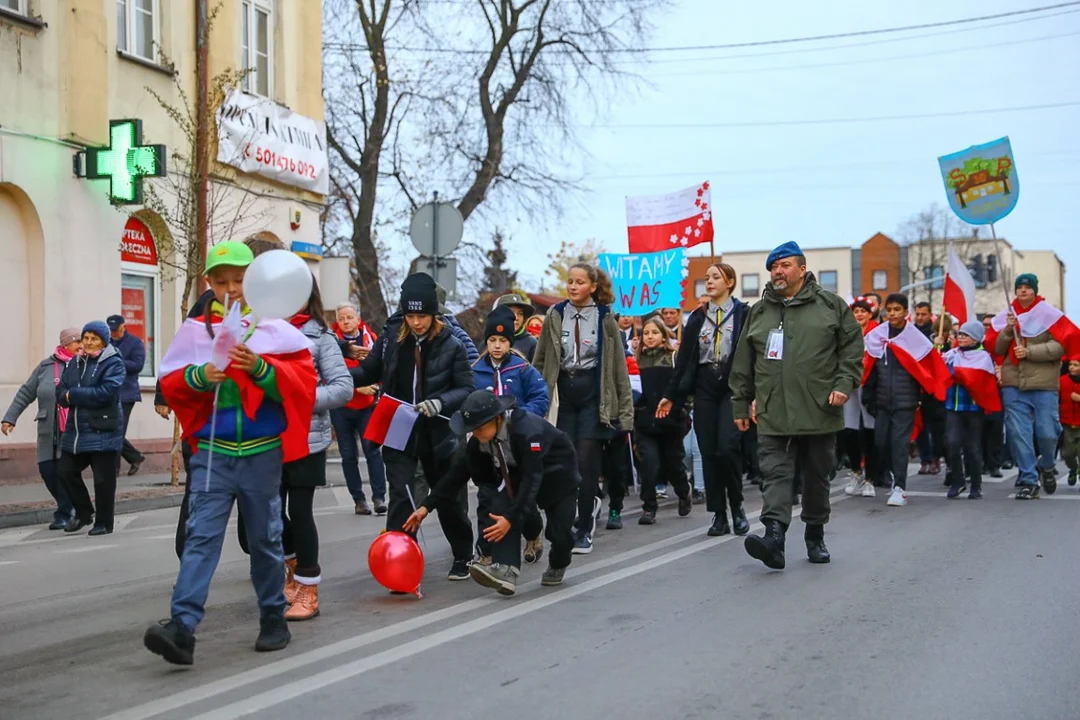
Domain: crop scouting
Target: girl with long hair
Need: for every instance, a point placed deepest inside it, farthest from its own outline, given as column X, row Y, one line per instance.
column 583, row 363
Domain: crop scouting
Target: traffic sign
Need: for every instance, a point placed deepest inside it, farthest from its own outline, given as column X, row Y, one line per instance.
column 443, row 269
column 436, row 229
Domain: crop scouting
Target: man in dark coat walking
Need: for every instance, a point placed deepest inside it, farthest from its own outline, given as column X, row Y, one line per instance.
column 133, row 352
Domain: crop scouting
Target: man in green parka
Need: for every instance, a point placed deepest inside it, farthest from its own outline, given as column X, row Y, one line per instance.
column 798, row 362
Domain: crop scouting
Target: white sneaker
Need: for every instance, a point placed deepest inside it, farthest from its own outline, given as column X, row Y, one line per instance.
column 868, row 489
column 852, row 488
column 898, row 498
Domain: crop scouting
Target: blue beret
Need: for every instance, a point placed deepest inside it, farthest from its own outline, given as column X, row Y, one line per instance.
column 788, row 249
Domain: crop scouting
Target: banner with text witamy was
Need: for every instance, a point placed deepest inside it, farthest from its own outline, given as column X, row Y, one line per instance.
column 664, row 222
column 644, row 282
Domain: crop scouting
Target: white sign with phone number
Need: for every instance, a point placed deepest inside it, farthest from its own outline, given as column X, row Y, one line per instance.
column 258, row 136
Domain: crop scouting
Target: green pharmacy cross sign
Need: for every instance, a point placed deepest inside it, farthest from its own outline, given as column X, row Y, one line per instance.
column 124, row 163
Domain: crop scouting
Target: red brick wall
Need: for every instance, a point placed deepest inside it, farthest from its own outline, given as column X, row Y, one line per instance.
column 880, row 253
column 698, row 266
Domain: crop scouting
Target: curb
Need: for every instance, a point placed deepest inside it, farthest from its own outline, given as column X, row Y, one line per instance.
column 123, row 507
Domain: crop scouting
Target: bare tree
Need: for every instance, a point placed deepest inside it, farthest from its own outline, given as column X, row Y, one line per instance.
column 476, row 101
column 927, row 235
column 567, row 256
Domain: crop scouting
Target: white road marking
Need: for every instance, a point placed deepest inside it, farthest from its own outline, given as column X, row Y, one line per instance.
column 289, row 665
column 926, row 493
column 92, row 548
column 162, row 537
column 15, row 536
column 344, row 499
column 10, row 562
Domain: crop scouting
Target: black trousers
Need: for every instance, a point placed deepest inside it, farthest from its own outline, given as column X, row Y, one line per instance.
column 892, row 433
column 813, row 456
column 616, row 465
column 560, row 532
column 181, row 523
column 103, row 466
column 129, row 452
column 299, row 534
column 720, row 443
column 963, row 443
column 531, row 528
column 660, row 457
column 859, row 445
column 993, row 441
column 48, row 471
column 400, row 476
column 931, row 441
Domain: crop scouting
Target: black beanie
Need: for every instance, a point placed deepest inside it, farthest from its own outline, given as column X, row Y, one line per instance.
column 500, row 322
column 418, row 295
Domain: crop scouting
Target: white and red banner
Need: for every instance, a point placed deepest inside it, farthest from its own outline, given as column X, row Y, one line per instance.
column 914, row 351
column 1040, row 317
column 391, row 423
column 973, row 370
column 959, row 290
column 194, row 346
column 662, row 222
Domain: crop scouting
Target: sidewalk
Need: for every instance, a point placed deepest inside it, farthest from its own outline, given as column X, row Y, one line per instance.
column 29, row 503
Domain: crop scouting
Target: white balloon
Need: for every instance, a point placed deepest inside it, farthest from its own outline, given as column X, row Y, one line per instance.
column 277, row 284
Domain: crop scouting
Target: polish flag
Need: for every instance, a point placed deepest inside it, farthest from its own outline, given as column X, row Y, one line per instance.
column 662, row 222
column 391, row 423
column 973, row 370
column 959, row 290
column 914, row 351
column 1040, row 317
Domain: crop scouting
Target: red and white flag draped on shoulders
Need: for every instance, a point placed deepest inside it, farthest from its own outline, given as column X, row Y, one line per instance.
column 1038, row 318
column 973, row 370
column 914, row 351
column 283, row 347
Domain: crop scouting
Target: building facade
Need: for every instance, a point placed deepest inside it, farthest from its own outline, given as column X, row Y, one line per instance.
column 881, row 265
column 68, row 254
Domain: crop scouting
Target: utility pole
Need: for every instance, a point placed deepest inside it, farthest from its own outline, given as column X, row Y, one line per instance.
column 202, row 136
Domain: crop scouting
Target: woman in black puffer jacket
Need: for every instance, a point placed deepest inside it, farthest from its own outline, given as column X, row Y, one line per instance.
column 419, row 362
column 658, row 433
column 94, row 433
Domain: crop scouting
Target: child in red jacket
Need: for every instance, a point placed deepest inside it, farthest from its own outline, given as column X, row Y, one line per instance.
column 1070, row 418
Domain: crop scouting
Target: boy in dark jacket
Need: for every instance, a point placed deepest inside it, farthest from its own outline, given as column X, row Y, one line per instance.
column 897, row 375
column 527, row 462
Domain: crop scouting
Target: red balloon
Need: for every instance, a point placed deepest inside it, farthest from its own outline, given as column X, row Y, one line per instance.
column 396, row 562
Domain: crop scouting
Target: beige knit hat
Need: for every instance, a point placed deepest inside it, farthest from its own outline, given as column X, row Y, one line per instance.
column 70, row 335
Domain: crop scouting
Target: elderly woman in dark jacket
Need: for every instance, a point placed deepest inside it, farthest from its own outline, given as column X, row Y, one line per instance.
column 419, row 362
column 41, row 386
column 94, row 432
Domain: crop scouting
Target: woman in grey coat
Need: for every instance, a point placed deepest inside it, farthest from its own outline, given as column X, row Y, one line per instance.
column 41, row 386
column 300, row 537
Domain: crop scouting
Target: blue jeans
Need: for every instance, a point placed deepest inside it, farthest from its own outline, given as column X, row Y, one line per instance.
column 349, row 425
column 253, row 483
column 693, row 461
column 1024, row 410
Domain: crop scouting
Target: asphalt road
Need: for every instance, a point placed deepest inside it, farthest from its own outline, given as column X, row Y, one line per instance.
column 943, row 609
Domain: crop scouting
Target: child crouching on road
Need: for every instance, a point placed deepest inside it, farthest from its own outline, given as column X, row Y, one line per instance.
column 525, row 461
column 264, row 401
column 973, row 394
column 506, row 372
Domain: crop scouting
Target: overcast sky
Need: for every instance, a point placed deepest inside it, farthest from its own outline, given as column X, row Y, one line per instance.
column 837, row 183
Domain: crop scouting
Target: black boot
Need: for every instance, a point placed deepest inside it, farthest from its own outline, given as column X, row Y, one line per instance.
column 719, row 525
column 739, row 521
column 273, row 633
column 770, row 548
column 816, row 551
column 172, row 641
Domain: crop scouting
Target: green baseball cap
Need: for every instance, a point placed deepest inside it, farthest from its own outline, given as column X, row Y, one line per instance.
column 230, row 252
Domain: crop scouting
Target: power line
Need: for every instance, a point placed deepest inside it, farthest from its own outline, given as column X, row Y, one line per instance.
column 761, row 43
column 863, row 61
column 835, row 121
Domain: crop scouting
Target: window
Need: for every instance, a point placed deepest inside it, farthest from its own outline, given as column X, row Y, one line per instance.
column 699, row 289
column 880, row 280
column 828, row 280
column 17, row 6
column 256, row 34
column 937, row 274
column 137, row 28
column 138, row 307
column 751, row 285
